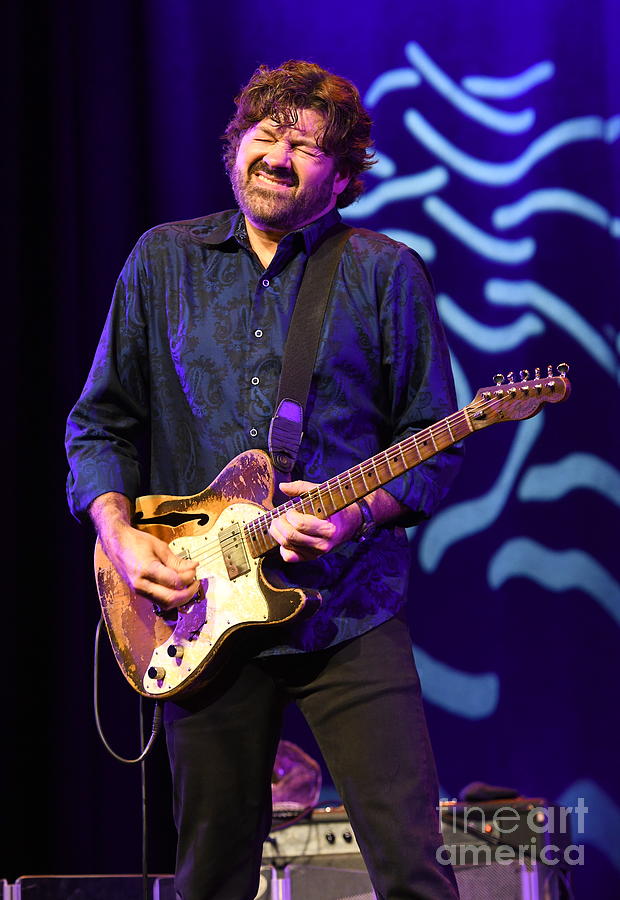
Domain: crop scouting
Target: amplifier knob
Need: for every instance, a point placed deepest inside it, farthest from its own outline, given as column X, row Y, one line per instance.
column 348, row 837
column 330, row 837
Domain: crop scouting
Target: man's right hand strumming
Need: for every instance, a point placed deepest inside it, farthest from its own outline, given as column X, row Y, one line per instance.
column 145, row 562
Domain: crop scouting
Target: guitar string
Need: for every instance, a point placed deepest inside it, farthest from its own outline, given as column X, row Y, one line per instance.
column 213, row 547
column 369, row 467
column 256, row 527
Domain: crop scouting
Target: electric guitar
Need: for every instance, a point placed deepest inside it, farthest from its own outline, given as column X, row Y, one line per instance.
column 226, row 528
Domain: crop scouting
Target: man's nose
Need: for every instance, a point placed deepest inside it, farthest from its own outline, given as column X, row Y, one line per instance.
column 278, row 155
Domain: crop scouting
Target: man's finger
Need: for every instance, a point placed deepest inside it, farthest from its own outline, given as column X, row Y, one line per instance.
column 310, row 525
column 185, row 568
column 293, row 539
column 294, row 488
column 165, row 597
column 159, row 573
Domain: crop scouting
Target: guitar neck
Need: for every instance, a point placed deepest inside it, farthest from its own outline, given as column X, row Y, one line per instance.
column 327, row 498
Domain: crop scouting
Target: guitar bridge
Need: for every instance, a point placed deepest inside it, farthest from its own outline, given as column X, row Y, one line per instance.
column 233, row 550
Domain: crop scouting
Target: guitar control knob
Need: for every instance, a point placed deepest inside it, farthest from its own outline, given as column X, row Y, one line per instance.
column 330, row 837
column 157, row 672
column 176, row 651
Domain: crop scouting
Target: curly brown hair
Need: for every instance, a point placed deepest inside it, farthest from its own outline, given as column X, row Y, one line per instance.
column 279, row 93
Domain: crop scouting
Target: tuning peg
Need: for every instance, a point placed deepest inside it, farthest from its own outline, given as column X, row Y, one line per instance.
column 511, row 377
column 549, row 371
column 537, row 372
column 563, row 369
column 499, row 378
column 524, row 374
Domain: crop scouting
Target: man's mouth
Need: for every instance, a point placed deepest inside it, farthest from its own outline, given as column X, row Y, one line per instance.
column 273, row 180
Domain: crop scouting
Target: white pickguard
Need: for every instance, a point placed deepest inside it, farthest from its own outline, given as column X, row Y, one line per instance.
column 226, row 603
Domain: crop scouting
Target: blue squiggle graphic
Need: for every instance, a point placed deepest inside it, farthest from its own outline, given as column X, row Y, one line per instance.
column 576, row 471
column 585, row 128
column 556, row 570
column 403, row 188
column 462, row 693
column 461, row 520
column 497, row 119
column 556, row 200
column 485, row 337
column 601, row 823
column 464, row 392
column 529, row 293
column 508, row 252
column 394, row 80
column 424, row 246
column 384, row 167
column 514, row 86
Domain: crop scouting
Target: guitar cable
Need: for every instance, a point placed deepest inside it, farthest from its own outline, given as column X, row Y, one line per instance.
column 157, row 713
column 145, row 750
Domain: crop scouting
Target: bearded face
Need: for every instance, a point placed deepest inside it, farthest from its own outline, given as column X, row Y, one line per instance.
column 281, row 178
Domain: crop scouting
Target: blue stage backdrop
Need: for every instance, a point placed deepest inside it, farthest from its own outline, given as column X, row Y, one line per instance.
column 498, row 161
column 497, row 137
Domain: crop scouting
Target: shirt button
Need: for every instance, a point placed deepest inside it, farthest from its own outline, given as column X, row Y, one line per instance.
column 258, row 333
column 253, row 432
column 255, row 380
column 265, row 282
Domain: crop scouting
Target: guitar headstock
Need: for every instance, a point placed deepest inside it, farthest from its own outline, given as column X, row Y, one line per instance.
column 509, row 400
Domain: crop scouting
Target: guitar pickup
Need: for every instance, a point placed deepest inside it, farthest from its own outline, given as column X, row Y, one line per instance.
column 233, row 550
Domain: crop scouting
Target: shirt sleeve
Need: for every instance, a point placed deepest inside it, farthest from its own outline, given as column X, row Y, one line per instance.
column 103, row 427
column 421, row 386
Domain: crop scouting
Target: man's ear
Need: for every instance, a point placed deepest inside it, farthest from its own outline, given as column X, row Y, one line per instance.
column 341, row 181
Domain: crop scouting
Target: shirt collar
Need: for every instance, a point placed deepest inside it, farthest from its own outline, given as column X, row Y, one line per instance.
column 314, row 231
column 224, row 231
column 233, row 228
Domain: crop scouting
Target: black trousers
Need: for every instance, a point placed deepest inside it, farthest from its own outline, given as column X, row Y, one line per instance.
column 362, row 700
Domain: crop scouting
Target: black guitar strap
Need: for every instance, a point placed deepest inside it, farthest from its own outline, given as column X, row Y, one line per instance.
column 302, row 345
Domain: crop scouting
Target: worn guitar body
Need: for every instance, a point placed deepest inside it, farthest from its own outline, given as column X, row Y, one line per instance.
column 144, row 640
column 226, row 528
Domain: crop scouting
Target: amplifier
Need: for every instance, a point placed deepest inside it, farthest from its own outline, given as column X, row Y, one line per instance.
column 80, row 887
column 110, row 887
column 521, row 829
column 326, row 832
column 508, row 850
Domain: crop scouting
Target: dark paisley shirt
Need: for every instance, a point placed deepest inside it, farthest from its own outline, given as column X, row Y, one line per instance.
column 188, row 367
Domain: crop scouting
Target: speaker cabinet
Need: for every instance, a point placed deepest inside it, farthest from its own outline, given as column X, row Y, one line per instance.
column 324, row 883
column 498, row 852
column 80, row 887
column 496, row 881
column 163, row 889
